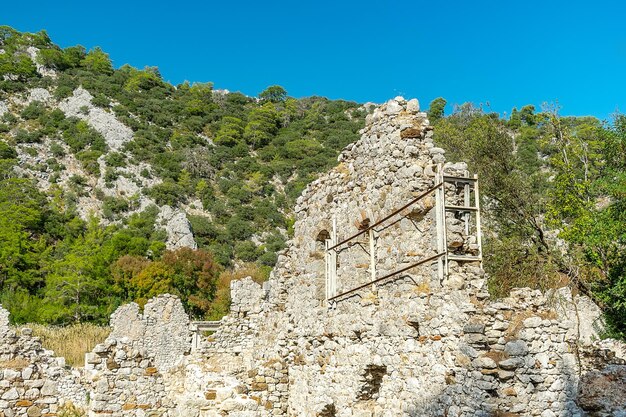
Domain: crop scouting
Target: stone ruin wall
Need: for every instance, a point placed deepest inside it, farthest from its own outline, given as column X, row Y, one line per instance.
column 124, row 375
column 414, row 346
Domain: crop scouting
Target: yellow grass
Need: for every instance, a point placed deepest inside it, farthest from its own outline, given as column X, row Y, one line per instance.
column 70, row 342
column 16, row 363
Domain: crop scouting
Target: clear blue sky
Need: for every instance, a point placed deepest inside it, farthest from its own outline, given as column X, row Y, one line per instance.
column 503, row 53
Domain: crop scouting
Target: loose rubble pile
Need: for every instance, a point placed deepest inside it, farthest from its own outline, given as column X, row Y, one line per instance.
column 414, row 345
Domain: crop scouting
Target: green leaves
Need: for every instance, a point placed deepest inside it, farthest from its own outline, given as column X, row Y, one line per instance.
column 274, row 94
column 513, row 199
column 436, row 109
column 98, row 62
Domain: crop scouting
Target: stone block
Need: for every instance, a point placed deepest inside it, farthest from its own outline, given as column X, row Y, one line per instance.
column 516, row 348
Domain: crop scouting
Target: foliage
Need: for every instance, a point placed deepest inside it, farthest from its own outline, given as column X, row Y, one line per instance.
column 274, row 94
column 190, row 274
column 515, row 236
column 436, row 109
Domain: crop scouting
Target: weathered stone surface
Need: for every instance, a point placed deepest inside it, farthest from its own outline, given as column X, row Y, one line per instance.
column 413, row 106
column 590, row 324
column 516, row 348
column 162, row 331
column 474, row 328
column 4, row 320
column 177, row 227
column 115, row 133
column 603, row 392
column 33, row 411
column 11, row 394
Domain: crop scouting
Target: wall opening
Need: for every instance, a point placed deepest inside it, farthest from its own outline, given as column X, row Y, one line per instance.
column 372, row 380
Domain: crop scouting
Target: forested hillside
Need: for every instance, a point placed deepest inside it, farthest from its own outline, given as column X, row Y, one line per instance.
column 102, row 169
column 116, row 185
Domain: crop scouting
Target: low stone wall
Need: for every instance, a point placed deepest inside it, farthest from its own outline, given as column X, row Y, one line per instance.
column 124, row 376
column 31, row 377
column 123, row 380
column 162, row 330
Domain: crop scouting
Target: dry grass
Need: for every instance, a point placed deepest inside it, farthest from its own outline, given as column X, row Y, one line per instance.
column 71, row 342
column 16, row 363
column 70, row 410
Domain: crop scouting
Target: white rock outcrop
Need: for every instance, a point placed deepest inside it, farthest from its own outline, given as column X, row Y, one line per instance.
column 177, row 227
column 115, row 133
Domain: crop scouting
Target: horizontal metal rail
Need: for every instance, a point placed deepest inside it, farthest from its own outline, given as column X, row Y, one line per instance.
column 360, row 287
column 464, row 258
column 205, row 326
column 410, row 203
column 461, row 208
column 459, row 179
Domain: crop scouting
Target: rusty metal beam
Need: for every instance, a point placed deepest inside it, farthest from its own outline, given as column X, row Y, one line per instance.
column 360, row 287
column 409, row 204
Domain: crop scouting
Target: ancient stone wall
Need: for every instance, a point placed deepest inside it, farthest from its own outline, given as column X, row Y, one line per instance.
column 162, row 330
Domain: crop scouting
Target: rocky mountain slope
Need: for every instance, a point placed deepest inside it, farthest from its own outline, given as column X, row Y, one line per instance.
column 154, row 166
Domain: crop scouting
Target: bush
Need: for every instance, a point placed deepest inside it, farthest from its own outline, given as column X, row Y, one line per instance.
column 57, row 150
column 89, row 160
column 168, row 192
column 33, row 111
column 112, row 206
column 6, row 151
column 115, row 160
column 238, row 228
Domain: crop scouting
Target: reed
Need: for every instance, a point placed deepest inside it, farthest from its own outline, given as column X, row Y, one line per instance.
column 70, row 342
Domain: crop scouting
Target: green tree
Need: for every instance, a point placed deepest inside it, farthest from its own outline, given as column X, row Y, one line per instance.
column 78, row 282
column 17, row 66
column 97, row 61
column 262, row 126
column 527, row 115
column 230, row 132
column 194, row 278
column 517, row 250
column 601, row 231
column 274, row 94
column 436, row 109
column 21, row 219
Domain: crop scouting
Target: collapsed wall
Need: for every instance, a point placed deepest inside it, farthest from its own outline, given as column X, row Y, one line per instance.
column 416, row 344
column 31, row 377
